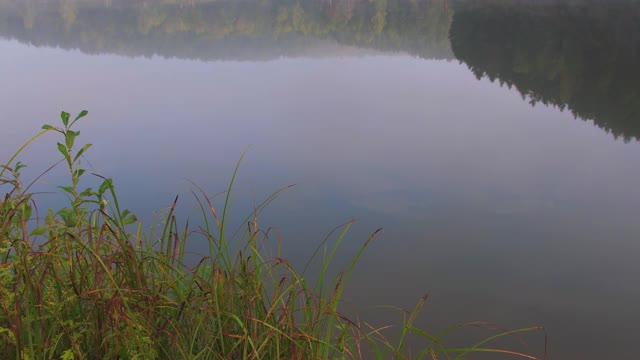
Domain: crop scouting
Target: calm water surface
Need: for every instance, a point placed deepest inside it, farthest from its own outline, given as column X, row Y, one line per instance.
column 497, row 145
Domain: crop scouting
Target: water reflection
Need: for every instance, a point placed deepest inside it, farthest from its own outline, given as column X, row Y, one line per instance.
column 232, row 30
column 577, row 57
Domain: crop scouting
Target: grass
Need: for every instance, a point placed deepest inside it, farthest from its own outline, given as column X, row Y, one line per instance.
column 86, row 282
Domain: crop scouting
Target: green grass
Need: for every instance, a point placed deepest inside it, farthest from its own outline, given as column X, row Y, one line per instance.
column 86, row 282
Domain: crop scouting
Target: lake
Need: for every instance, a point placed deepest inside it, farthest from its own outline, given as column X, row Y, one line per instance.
column 495, row 142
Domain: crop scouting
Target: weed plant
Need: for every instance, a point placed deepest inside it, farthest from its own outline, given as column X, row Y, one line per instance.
column 86, row 282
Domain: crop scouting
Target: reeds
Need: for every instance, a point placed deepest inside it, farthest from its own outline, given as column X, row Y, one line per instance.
column 86, row 282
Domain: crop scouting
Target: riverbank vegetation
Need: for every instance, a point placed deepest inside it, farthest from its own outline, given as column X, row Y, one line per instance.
column 87, row 282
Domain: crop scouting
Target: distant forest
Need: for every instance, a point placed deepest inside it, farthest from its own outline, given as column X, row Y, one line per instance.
column 578, row 55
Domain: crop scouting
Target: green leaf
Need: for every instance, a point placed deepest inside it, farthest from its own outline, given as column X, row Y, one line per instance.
column 106, row 185
column 65, row 118
column 129, row 220
column 79, row 172
column 68, row 355
column 70, row 138
column 70, row 221
column 40, row 230
column 47, row 127
column 49, row 218
column 87, row 192
column 81, row 151
column 26, row 212
column 82, row 114
column 68, row 217
column 67, row 189
column 9, row 334
column 63, row 150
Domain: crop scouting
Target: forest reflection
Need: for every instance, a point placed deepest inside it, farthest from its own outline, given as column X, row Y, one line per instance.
column 581, row 56
column 231, row 30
